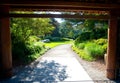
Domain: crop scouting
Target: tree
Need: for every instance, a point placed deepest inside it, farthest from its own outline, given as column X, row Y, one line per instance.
column 95, row 28
column 21, row 29
column 71, row 28
column 42, row 27
column 65, row 29
column 55, row 32
column 25, row 27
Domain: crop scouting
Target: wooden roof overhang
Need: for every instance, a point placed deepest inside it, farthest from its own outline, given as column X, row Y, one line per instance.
column 64, row 6
column 59, row 5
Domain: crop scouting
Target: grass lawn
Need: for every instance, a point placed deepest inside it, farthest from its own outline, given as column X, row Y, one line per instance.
column 54, row 44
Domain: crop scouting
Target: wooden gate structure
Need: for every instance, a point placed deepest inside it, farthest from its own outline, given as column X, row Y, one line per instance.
column 112, row 8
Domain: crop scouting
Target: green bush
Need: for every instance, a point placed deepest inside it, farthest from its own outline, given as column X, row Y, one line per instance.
column 18, row 49
column 100, row 41
column 94, row 50
column 103, row 43
column 25, row 52
column 104, row 47
column 33, row 39
column 29, row 49
column 83, row 37
column 81, row 45
column 33, row 48
column 82, row 54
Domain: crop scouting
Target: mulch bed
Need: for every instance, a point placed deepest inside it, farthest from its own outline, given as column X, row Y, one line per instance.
column 96, row 69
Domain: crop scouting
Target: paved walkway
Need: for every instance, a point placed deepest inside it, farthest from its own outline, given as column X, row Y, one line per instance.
column 58, row 65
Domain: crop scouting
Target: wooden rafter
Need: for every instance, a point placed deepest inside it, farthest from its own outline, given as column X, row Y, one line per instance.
column 105, row 17
column 49, row 8
column 64, row 6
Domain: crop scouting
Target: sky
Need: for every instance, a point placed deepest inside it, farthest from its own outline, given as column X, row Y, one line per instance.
column 57, row 19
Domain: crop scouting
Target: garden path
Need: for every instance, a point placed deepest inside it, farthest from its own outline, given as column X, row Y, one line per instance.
column 58, row 65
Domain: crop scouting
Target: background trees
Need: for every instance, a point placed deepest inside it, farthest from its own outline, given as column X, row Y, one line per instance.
column 25, row 32
column 26, row 27
column 87, row 29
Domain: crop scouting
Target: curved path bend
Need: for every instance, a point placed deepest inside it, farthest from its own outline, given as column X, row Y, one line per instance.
column 58, row 65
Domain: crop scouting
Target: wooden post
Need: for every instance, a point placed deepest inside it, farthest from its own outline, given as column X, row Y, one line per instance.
column 112, row 44
column 5, row 45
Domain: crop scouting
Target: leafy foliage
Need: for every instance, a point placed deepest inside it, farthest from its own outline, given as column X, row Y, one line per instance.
column 103, row 42
column 82, row 38
column 94, row 50
column 91, row 50
column 26, row 51
column 42, row 27
column 90, row 29
column 55, row 32
column 82, row 54
column 81, row 45
column 100, row 41
column 25, row 32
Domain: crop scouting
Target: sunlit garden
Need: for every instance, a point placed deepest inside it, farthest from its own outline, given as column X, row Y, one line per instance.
column 32, row 37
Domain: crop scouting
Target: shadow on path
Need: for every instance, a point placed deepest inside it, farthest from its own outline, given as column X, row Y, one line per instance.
column 46, row 71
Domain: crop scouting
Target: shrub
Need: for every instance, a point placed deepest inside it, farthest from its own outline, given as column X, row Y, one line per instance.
column 18, row 49
column 33, row 48
column 91, row 50
column 33, row 39
column 100, row 41
column 77, row 40
column 82, row 54
column 103, row 43
column 104, row 47
column 83, row 37
column 81, row 45
column 94, row 50
column 24, row 52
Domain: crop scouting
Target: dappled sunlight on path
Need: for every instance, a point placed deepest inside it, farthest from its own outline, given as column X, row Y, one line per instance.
column 49, row 71
column 58, row 65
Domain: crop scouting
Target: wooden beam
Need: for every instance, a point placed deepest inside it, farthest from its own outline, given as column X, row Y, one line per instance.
column 5, row 45
column 112, row 47
column 49, row 8
column 106, row 17
column 74, row 4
